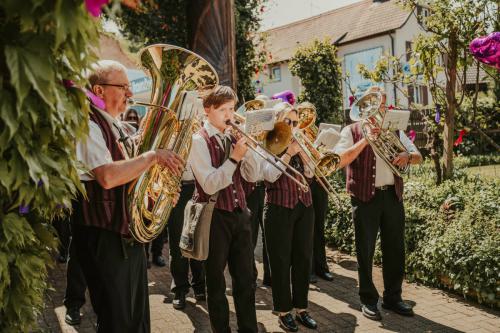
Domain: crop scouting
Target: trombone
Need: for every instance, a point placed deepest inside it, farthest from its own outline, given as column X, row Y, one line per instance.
column 270, row 157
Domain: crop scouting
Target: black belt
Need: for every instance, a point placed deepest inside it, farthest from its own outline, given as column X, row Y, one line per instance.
column 187, row 182
column 384, row 187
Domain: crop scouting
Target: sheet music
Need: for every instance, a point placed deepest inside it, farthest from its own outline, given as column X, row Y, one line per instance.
column 396, row 119
column 258, row 121
column 323, row 126
column 327, row 138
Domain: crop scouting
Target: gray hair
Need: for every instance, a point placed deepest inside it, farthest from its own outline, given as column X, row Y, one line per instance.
column 102, row 69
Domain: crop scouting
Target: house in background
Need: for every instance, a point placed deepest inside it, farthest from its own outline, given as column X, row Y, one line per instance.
column 363, row 32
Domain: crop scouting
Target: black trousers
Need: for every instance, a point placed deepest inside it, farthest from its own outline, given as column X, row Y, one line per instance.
column 289, row 238
column 231, row 244
column 155, row 247
column 384, row 212
column 116, row 274
column 179, row 266
column 320, row 203
column 255, row 203
column 75, row 280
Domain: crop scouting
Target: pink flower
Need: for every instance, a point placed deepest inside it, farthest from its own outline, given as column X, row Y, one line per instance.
column 94, row 6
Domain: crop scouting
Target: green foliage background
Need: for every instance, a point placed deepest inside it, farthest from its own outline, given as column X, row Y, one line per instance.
column 165, row 22
column 320, row 74
column 452, row 238
column 42, row 43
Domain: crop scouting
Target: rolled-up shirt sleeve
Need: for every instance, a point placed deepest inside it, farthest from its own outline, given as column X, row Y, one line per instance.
column 410, row 146
column 345, row 141
column 210, row 179
column 92, row 151
column 250, row 166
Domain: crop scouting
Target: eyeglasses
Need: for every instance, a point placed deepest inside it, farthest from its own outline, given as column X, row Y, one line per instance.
column 289, row 122
column 123, row 87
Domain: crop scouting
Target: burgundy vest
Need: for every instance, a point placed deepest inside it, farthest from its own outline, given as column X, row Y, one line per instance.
column 286, row 193
column 230, row 197
column 360, row 181
column 106, row 209
column 248, row 187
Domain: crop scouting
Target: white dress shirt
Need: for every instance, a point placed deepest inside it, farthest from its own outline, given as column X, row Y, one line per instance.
column 215, row 179
column 383, row 174
column 272, row 173
column 92, row 151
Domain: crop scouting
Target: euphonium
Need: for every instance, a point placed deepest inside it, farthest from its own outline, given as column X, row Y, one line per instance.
column 386, row 145
column 175, row 72
column 323, row 163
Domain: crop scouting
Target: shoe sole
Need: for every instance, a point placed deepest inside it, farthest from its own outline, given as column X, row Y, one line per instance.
column 73, row 323
column 287, row 329
column 372, row 317
column 302, row 323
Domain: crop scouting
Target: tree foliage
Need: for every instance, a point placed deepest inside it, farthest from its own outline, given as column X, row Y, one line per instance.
column 441, row 59
column 42, row 43
column 166, row 22
column 319, row 71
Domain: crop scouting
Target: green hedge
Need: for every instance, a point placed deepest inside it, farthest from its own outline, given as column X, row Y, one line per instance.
column 452, row 238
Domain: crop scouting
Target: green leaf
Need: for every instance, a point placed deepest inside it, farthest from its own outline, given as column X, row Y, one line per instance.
column 16, row 65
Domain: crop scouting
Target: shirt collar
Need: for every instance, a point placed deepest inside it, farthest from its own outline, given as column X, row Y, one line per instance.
column 211, row 130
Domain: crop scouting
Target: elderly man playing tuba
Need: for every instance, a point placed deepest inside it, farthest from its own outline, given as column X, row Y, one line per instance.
column 113, row 263
column 377, row 203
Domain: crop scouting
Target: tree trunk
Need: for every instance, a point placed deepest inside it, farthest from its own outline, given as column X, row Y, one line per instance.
column 449, row 126
column 435, row 156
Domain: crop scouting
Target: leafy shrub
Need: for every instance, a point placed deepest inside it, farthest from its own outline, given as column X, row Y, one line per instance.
column 452, row 237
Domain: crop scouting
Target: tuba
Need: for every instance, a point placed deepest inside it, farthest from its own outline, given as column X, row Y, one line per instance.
column 177, row 74
column 323, row 163
column 386, row 145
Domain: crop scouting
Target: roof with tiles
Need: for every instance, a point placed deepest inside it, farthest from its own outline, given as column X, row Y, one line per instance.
column 356, row 21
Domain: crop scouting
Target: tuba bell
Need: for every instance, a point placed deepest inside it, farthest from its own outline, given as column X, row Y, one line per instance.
column 386, row 145
column 177, row 74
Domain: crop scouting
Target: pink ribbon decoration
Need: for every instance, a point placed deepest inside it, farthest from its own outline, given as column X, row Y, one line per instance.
column 94, row 6
column 351, row 100
column 460, row 137
column 486, row 49
column 94, row 99
column 412, row 135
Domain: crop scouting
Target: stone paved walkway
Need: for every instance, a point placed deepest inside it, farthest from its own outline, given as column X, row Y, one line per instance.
column 334, row 305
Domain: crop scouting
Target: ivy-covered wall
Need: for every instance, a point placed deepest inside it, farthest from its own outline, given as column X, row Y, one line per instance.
column 42, row 43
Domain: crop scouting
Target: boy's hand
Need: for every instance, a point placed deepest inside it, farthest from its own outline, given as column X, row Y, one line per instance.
column 240, row 149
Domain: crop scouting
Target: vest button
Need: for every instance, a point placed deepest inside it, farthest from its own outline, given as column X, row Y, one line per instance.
column 235, row 200
column 234, row 191
column 373, row 176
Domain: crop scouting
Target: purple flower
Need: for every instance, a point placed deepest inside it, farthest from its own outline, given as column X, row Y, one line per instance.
column 94, row 6
column 24, row 209
column 40, row 183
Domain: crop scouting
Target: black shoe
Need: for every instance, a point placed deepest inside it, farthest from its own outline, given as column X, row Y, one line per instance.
column 287, row 323
column 159, row 261
column 73, row 316
column 313, row 278
column 400, row 307
column 179, row 301
column 200, row 297
column 371, row 312
column 326, row 276
column 305, row 319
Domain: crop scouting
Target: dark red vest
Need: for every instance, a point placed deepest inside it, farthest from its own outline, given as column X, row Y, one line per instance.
column 248, row 187
column 360, row 180
column 104, row 209
column 286, row 193
column 230, row 197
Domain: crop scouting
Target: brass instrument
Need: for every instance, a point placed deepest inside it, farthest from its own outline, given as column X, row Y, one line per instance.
column 174, row 72
column 322, row 163
column 386, row 145
column 275, row 142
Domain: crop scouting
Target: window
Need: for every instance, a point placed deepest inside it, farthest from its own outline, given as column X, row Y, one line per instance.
column 418, row 95
column 422, row 13
column 275, row 73
column 408, row 47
